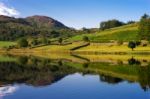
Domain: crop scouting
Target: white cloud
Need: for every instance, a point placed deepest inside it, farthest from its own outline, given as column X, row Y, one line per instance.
column 8, row 11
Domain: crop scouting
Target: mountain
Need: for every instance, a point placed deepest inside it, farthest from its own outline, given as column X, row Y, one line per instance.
column 6, row 19
column 14, row 28
column 44, row 22
column 35, row 21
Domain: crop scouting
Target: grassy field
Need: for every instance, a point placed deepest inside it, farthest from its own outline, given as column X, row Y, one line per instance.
column 92, row 48
column 6, row 44
column 59, row 48
column 113, row 49
column 123, row 33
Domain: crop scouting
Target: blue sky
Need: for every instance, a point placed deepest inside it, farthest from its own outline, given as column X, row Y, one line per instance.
column 81, row 13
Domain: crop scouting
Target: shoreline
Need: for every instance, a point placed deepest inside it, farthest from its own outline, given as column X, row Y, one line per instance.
column 27, row 50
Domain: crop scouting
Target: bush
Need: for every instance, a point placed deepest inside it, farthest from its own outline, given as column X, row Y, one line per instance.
column 23, row 43
column 144, row 45
column 138, row 43
column 44, row 41
column 60, row 40
column 34, row 42
column 86, row 39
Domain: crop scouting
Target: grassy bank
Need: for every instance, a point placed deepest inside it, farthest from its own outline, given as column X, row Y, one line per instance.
column 93, row 48
column 5, row 44
column 113, row 49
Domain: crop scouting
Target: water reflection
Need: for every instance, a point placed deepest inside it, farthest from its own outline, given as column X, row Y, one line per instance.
column 37, row 72
column 33, row 71
column 110, row 80
column 133, row 61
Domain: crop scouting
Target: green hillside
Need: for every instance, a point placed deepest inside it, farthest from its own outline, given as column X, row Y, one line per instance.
column 123, row 33
column 12, row 29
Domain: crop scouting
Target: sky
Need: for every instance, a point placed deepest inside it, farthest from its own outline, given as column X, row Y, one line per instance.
column 77, row 13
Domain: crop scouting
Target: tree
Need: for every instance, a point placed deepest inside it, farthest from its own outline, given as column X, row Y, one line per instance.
column 34, row 42
column 132, row 45
column 86, row 39
column 145, row 16
column 60, row 40
column 23, row 43
column 23, row 60
column 133, row 61
column 144, row 28
column 110, row 24
column 44, row 41
column 55, row 34
column 138, row 43
column 85, row 30
column 131, row 22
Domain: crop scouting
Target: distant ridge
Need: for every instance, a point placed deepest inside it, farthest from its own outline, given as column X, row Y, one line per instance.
column 14, row 28
column 44, row 22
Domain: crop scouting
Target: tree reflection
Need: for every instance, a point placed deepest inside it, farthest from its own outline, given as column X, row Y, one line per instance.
column 37, row 71
column 85, row 65
column 144, row 77
column 133, row 61
column 110, row 79
column 23, row 60
column 32, row 71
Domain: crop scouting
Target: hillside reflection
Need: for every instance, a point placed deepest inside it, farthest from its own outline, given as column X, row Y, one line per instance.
column 38, row 71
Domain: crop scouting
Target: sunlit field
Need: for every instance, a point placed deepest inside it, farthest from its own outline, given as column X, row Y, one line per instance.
column 123, row 33
column 111, row 49
column 6, row 44
column 60, row 48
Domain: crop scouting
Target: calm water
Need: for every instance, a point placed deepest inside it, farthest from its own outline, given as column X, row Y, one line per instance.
column 32, row 77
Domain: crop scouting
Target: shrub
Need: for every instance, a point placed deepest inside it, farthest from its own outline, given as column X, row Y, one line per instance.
column 144, row 45
column 44, row 41
column 86, row 39
column 23, row 43
column 60, row 40
column 138, row 43
column 34, row 42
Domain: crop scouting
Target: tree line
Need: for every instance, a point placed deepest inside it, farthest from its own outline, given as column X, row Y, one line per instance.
column 113, row 23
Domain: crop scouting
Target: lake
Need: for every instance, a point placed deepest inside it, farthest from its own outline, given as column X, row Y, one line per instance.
column 74, row 77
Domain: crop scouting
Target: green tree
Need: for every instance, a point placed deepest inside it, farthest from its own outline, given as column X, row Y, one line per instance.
column 60, row 40
column 44, row 41
column 23, row 42
column 132, row 45
column 131, row 22
column 86, row 39
column 110, row 24
column 34, row 42
column 144, row 28
column 22, row 60
column 145, row 16
column 138, row 43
